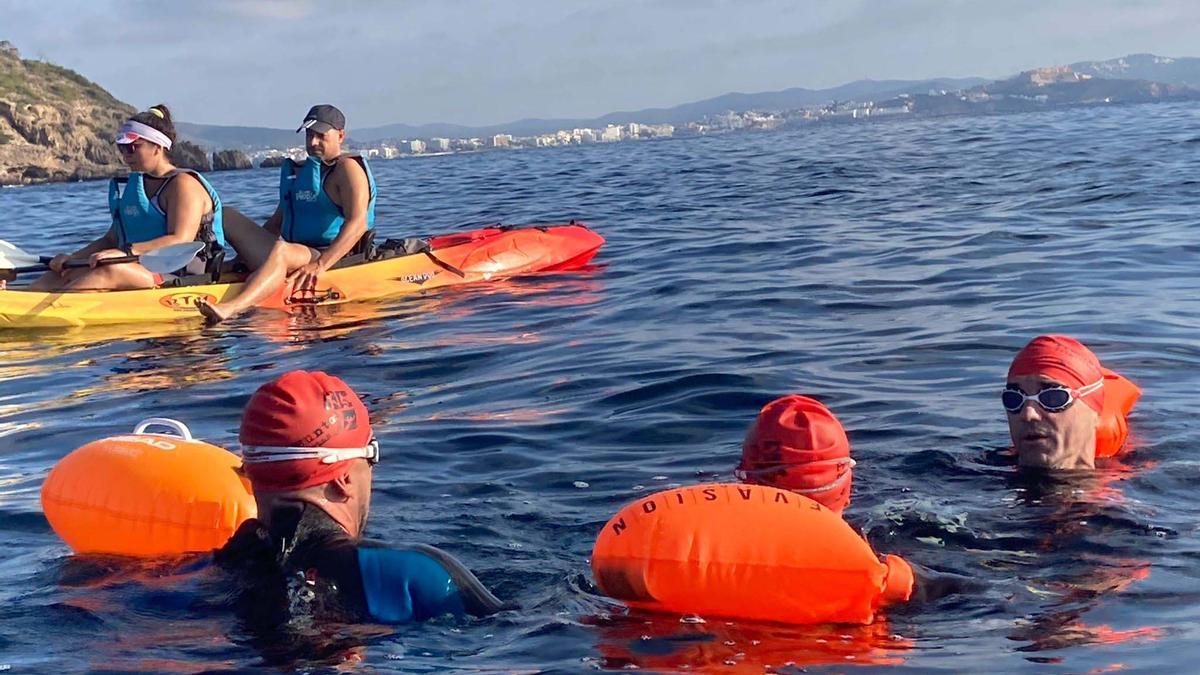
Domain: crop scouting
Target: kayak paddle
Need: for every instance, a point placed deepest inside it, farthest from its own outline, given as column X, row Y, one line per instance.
column 160, row 261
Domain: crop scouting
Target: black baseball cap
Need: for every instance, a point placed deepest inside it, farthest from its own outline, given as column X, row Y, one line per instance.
column 322, row 118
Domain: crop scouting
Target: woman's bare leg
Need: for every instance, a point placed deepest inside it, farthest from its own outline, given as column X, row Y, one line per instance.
column 124, row 277
column 50, row 282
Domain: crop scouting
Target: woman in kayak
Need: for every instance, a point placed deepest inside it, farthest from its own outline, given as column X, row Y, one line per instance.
column 159, row 205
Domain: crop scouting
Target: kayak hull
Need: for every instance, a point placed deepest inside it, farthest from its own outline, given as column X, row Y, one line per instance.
column 460, row 258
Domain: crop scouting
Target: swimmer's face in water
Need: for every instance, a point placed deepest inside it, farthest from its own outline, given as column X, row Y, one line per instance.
column 1052, row 440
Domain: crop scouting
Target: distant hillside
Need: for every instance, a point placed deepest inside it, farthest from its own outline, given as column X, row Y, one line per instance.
column 259, row 137
column 213, row 136
column 1043, row 89
column 1064, row 85
column 54, row 123
column 1133, row 78
column 1184, row 72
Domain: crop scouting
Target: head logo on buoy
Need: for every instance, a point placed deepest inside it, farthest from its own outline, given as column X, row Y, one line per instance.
column 147, row 494
column 146, row 440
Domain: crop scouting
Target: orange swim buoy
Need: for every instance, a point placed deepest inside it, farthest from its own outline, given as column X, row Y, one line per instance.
column 1120, row 395
column 147, row 494
column 744, row 551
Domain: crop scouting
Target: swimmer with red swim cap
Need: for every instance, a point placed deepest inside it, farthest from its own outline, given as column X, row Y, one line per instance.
column 309, row 452
column 1064, row 409
column 797, row 444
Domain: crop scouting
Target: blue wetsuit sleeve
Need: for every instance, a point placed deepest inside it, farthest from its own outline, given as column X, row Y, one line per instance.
column 405, row 585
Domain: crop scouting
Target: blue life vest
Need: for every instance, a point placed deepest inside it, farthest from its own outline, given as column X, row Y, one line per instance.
column 137, row 219
column 415, row 583
column 309, row 216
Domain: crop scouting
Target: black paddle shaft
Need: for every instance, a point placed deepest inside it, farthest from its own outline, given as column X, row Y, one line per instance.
column 74, row 264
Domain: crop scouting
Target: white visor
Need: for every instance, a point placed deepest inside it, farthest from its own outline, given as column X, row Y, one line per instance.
column 133, row 130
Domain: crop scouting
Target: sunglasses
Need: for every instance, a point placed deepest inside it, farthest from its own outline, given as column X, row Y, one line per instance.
column 128, row 148
column 1051, row 399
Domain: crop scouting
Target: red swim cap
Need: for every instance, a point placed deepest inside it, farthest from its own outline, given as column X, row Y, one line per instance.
column 1064, row 360
column 797, row 444
column 301, row 410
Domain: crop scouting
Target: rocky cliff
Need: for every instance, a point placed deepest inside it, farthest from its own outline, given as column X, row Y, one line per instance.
column 190, row 156
column 54, row 123
column 228, row 160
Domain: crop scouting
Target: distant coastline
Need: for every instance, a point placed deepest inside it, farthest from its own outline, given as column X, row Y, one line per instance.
column 53, row 113
column 1048, row 88
column 1138, row 78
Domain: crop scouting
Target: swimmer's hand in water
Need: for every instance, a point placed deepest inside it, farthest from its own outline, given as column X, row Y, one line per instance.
column 929, row 585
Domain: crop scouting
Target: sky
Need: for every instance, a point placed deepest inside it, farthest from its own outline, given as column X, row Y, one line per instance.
column 481, row 62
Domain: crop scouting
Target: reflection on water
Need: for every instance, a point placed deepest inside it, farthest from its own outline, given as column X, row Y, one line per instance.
column 662, row 644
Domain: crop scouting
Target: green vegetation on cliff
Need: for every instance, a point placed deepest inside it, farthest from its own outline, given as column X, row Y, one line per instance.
column 55, row 124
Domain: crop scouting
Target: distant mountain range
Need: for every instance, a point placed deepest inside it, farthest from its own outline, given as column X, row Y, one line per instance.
column 1183, row 72
column 251, row 137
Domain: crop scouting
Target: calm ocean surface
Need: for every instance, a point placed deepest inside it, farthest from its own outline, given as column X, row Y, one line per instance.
column 891, row 270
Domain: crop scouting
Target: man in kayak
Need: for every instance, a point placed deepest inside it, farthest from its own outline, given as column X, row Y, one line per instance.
column 308, row 450
column 1058, row 415
column 326, row 205
column 158, row 205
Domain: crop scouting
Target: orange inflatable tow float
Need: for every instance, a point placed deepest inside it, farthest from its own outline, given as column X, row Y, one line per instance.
column 1120, row 395
column 147, row 494
column 744, row 551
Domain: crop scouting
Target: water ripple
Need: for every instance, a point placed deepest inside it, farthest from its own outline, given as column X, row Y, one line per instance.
column 889, row 269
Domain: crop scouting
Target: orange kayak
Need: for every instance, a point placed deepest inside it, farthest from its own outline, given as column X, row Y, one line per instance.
column 398, row 268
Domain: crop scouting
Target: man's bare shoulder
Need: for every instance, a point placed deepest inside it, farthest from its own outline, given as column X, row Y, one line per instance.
column 349, row 169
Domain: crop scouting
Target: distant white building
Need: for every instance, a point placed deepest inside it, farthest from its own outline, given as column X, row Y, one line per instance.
column 439, row 144
column 501, row 140
column 632, row 130
column 584, row 135
column 416, row 147
column 657, row 130
column 611, row 133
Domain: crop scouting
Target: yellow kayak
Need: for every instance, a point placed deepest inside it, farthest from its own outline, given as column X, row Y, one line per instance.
column 467, row 257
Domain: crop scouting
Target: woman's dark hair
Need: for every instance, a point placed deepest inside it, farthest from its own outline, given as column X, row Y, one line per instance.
column 157, row 117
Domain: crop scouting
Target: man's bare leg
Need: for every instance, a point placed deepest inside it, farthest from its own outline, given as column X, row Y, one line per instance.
column 270, row 257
